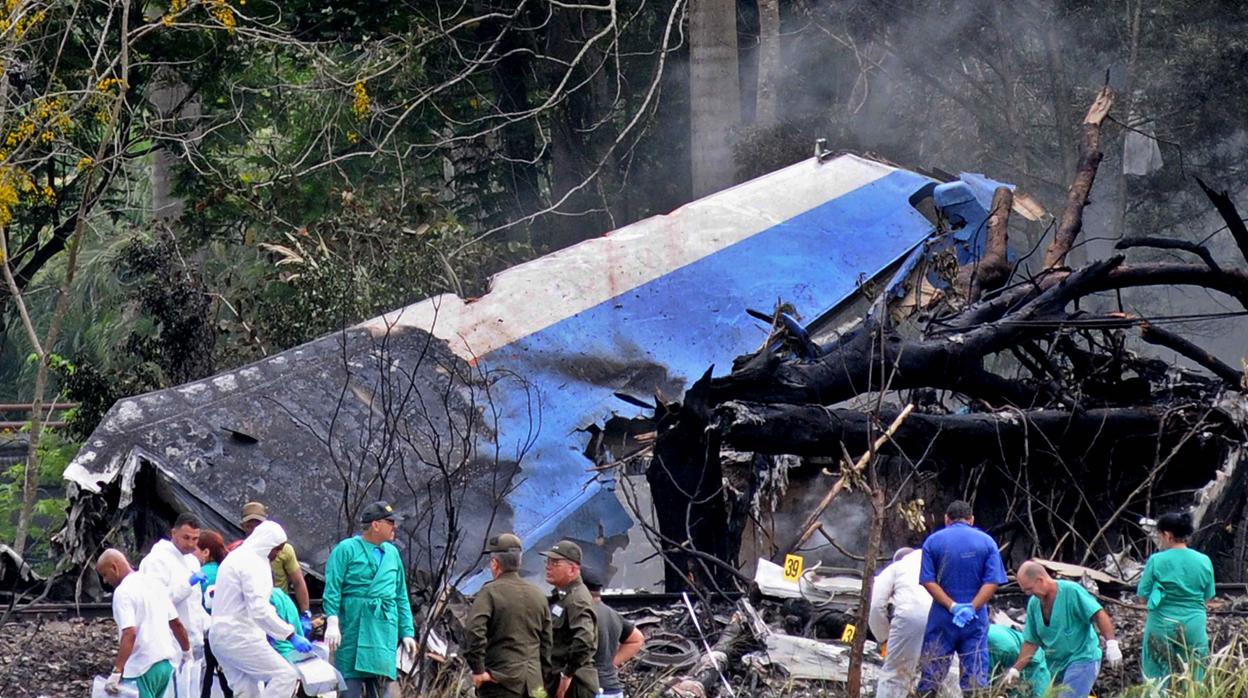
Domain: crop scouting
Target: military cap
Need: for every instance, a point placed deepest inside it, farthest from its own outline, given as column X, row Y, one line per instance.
column 565, row 550
column 594, row 581
column 503, row 543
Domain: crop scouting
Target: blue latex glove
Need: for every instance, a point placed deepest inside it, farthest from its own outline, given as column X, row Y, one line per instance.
column 198, row 578
column 300, row 643
column 305, row 620
column 963, row 613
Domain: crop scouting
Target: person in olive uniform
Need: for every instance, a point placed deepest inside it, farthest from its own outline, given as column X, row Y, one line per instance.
column 575, row 620
column 508, row 629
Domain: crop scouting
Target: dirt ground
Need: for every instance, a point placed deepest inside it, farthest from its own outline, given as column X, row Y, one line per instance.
column 55, row 658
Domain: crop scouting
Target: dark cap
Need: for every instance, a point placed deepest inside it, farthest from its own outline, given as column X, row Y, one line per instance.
column 592, row 579
column 254, row 511
column 379, row 511
column 565, row 550
column 503, row 543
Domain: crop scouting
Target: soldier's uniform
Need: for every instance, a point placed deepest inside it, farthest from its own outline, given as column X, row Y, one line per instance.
column 574, row 617
column 508, row 632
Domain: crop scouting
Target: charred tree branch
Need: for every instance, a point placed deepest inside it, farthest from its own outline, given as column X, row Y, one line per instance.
column 1226, row 208
column 1184, row 347
column 1170, row 244
column 1077, row 196
column 814, row 430
column 994, row 269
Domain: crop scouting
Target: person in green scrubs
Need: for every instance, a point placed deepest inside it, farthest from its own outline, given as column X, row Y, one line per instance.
column 1004, row 645
column 1063, row 620
column 289, row 612
column 366, row 605
column 1177, row 581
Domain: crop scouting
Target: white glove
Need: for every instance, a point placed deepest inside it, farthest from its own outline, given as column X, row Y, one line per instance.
column 188, row 658
column 409, row 646
column 333, row 636
column 1113, row 654
column 113, row 685
column 1010, row 677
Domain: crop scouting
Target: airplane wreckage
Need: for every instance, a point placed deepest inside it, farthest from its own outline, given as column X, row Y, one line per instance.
column 733, row 351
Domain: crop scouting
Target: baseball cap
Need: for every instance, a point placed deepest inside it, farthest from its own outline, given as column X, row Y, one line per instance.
column 503, row 543
column 379, row 511
column 565, row 550
column 592, row 579
column 254, row 511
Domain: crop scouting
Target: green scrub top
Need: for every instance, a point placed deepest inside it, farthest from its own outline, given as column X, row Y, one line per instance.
column 1177, row 583
column 373, row 608
column 1004, row 646
column 287, row 611
column 1069, row 636
column 210, row 580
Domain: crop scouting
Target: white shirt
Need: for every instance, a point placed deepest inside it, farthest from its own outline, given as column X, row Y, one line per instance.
column 899, row 586
column 141, row 603
column 168, row 566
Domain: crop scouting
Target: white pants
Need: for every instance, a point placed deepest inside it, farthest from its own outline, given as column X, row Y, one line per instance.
column 900, row 672
column 248, row 661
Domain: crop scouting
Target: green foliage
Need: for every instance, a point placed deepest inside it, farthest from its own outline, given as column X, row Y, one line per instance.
column 54, row 454
column 1225, row 677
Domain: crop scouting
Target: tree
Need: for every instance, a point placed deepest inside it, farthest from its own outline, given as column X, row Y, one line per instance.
column 714, row 93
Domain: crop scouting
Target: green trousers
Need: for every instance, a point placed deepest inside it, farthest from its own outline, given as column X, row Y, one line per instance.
column 155, row 681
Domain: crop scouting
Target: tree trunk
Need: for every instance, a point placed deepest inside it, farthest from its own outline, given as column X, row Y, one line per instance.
column 854, row 681
column 519, row 139
column 1063, row 117
column 573, row 151
column 766, row 108
column 714, row 93
column 1120, row 179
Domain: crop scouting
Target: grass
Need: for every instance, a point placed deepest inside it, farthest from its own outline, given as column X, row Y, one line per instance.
column 1225, row 676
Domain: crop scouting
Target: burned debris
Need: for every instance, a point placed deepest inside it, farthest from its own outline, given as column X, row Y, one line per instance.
column 1029, row 382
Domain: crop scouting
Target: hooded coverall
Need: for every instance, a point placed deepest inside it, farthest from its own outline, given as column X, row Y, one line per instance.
column 242, row 617
column 169, row 566
column 898, row 586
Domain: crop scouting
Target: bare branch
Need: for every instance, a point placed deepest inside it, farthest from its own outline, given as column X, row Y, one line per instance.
column 1185, row 347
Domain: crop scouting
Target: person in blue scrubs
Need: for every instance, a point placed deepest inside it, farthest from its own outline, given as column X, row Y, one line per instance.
column 961, row 570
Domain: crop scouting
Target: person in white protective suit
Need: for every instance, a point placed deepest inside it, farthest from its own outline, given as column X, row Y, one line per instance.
column 172, row 562
column 242, row 617
column 901, row 637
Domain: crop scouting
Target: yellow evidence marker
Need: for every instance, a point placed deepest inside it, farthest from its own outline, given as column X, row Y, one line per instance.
column 792, row 567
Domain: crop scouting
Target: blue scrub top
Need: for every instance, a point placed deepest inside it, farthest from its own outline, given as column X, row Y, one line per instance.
column 961, row 559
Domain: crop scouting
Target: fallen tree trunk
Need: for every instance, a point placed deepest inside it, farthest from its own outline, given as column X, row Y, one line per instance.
column 814, row 430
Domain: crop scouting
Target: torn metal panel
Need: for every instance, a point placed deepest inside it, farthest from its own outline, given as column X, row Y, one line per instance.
column 15, row 574
column 641, row 310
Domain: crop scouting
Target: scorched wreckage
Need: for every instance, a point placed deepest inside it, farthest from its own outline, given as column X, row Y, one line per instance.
column 730, row 351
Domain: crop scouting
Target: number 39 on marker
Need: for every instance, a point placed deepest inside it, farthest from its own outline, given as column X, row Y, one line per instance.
column 792, row 567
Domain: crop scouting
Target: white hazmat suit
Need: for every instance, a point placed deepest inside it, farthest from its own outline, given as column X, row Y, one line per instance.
column 242, row 616
column 898, row 586
column 172, row 569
